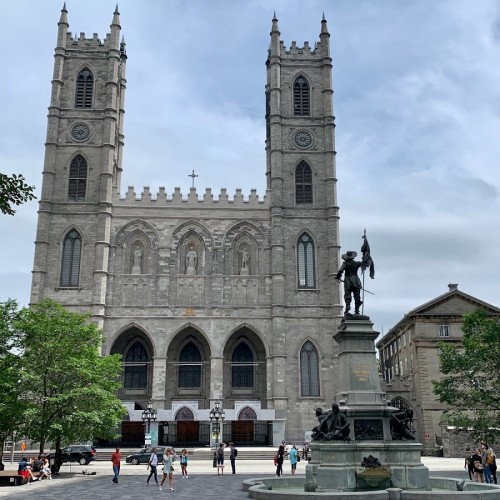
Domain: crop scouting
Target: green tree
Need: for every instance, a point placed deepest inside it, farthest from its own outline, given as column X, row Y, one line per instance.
column 11, row 405
column 14, row 191
column 471, row 385
column 69, row 388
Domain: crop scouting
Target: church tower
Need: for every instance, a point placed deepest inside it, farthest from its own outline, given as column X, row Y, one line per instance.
column 83, row 154
column 300, row 151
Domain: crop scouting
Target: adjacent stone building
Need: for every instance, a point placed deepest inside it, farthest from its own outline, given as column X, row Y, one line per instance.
column 208, row 297
column 409, row 361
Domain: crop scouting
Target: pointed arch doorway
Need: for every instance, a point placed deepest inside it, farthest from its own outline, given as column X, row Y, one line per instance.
column 243, row 429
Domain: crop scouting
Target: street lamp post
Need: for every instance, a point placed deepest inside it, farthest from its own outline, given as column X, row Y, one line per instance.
column 149, row 415
column 217, row 416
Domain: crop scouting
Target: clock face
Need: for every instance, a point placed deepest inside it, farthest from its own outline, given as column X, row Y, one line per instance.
column 303, row 139
column 80, row 132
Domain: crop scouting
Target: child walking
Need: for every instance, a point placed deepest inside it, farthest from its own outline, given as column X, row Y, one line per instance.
column 184, row 462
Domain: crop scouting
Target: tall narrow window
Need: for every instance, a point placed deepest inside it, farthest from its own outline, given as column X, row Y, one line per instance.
column 70, row 269
column 77, row 186
column 303, row 183
column 190, row 367
column 136, row 367
column 84, row 89
column 301, row 106
column 242, row 366
column 305, row 262
column 309, row 371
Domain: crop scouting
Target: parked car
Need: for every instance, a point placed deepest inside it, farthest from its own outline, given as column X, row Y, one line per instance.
column 81, row 453
column 142, row 456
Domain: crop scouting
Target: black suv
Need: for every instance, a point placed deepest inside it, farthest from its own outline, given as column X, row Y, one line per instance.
column 81, row 453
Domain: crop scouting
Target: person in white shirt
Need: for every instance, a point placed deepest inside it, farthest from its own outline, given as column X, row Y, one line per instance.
column 153, row 464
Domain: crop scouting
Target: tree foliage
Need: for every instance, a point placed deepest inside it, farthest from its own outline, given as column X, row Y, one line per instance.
column 14, row 191
column 67, row 389
column 471, row 385
column 11, row 406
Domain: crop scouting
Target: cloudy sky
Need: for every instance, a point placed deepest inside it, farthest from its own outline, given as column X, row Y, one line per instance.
column 417, row 105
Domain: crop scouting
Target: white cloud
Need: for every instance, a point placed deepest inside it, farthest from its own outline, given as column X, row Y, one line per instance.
column 417, row 105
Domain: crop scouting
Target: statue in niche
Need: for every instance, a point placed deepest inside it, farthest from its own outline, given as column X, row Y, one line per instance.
column 333, row 425
column 244, row 270
column 136, row 266
column 401, row 425
column 191, row 260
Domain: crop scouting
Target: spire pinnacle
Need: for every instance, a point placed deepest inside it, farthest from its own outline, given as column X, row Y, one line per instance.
column 324, row 26
column 116, row 17
column 275, row 28
column 64, row 15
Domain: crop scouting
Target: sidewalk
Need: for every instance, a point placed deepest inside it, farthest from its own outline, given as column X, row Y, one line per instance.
column 203, row 482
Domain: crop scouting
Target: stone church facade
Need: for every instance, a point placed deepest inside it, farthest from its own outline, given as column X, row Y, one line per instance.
column 226, row 298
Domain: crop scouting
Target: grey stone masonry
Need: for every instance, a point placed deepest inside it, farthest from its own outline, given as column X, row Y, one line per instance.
column 199, row 292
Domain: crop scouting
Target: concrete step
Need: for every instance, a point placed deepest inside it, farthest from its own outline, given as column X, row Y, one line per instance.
column 104, row 454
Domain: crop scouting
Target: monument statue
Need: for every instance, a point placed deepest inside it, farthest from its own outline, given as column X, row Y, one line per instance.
column 400, row 425
column 191, row 260
column 333, row 425
column 136, row 267
column 352, row 283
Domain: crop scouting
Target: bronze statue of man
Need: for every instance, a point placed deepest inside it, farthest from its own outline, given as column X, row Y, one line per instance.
column 336, row 424
column 352, row 283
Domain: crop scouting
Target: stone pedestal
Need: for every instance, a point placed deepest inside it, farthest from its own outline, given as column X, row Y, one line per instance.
column 334, row 464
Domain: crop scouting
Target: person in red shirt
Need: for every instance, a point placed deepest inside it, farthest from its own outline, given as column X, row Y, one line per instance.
column 115, row 460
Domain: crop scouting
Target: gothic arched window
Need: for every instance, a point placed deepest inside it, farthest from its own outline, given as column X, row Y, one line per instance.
column 309, row 370
column 84, row 89
column 305, row 262
column 303, row 183
column 301, row 97
column 136, row 367
column 71, row 255
column 242, row 366
column 190, row 366
column 77, row 185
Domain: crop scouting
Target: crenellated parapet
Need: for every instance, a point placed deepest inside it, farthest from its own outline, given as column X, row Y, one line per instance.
column 297, row 52
column 178, row 199
column 82, row 42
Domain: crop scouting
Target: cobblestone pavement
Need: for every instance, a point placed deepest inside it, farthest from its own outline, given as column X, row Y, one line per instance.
column 203, row 482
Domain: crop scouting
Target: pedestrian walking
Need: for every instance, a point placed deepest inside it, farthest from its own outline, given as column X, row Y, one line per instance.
column 220, row 459
column 279, row 457
column 293, row 459
column 232, row 456
column 115, row 460
column 184, row 463
column 153, row 464
column 168, row 469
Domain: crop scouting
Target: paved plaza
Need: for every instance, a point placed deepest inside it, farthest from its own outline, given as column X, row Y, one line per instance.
column 203, row 482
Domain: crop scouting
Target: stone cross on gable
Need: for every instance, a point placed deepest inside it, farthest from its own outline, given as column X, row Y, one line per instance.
column 192, row 175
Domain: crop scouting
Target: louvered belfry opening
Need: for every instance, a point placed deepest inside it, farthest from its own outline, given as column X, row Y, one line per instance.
column 77, row 185
column 303, row 183
column 301, row 106
column 84, row 89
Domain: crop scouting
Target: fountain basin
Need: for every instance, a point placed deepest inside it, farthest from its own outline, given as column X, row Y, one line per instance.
column 290, row 488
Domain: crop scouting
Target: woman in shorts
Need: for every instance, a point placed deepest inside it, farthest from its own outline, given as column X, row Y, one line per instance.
column 168, row 468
